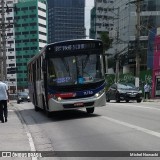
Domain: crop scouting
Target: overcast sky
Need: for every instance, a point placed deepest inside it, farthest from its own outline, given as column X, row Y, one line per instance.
column 88, row 7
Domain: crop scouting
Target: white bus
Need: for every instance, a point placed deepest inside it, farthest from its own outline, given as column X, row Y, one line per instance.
column 68, row 75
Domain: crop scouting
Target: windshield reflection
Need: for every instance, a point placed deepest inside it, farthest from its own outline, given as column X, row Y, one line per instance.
column 74, row 70
column 126, row 86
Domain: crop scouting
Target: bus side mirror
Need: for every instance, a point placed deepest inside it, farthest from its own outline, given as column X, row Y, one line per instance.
column 44, row 66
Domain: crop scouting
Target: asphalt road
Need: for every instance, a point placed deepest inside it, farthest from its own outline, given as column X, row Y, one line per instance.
column 121, row 126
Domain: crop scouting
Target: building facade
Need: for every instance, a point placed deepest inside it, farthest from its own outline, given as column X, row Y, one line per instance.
column 123, row 31
column 101, row 17
column 156, row 65
column 66, row 20
column 149, row 19
column 30, row 35
column 7, row 43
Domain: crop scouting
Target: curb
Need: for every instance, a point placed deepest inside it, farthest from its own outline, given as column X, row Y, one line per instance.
column 151, row 100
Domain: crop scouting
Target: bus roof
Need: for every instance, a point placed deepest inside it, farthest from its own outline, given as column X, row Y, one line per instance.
column 66, row 42
column 74, row 40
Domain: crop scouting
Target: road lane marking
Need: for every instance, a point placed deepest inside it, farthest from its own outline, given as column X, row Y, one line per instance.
column 150, row 132
column 29, row 136
column 137, row 106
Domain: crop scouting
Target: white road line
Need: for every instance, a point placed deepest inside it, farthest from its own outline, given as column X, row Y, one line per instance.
column 137, row 106
column 30, row 139
column 150, row 132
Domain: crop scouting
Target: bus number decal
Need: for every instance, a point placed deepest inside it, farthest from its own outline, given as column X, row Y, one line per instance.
column 87, row 92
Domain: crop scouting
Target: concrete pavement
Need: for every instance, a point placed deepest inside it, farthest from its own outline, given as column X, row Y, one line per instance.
column 13, row 134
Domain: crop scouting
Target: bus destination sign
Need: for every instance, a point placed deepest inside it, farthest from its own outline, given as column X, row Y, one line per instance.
column 73, row 47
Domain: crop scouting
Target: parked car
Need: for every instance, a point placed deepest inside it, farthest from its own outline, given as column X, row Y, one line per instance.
column 23, row 96
column 123, row 92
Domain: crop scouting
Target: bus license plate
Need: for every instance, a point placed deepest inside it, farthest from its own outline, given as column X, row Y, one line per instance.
column 79, row 104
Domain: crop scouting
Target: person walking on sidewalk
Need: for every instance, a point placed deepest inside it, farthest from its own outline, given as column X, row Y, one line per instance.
column 146, row 91
column 4, row 97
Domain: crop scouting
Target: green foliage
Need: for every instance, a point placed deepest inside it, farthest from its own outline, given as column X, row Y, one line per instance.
column 109, row 80
column 145, row 76
column 111, row 62
column 106, row 40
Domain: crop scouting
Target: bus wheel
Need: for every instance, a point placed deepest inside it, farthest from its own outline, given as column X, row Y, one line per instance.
column 48, row 114
column 90, row 110
column 36, row 108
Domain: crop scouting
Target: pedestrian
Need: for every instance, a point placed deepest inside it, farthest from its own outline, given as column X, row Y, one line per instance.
column 4, row 97
column 146, row 91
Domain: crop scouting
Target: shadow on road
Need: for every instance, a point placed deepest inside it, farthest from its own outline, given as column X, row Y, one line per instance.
column 31, row 117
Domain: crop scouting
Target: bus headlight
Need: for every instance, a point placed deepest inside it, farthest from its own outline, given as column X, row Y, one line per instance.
column 59, row 98
column 99, row 93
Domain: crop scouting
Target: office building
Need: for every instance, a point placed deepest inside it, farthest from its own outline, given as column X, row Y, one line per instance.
column 123, row 32
column 101, row 18
column 66, row 20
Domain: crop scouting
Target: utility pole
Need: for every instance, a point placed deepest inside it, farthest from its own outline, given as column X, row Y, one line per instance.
column 117, row 56
column 4, row 74
column 1, row 71
column 137, row 44
column 137, row 40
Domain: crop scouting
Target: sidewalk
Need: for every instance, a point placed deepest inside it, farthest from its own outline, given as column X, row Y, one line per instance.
column 13, row 136
column 151, row 100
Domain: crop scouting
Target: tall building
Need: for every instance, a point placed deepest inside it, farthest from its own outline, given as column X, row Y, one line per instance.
column 122, row 14
column 101, row 17
column 66, row 20
column 30, row 35
column 149, row 18
column 7, row 44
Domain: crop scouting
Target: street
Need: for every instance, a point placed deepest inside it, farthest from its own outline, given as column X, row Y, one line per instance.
column 115, row 127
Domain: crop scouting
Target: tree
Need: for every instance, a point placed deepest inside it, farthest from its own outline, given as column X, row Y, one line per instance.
column 107, row 42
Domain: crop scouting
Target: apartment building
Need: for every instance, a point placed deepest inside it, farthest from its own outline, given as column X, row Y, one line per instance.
column 30, row 35
column 8, row 65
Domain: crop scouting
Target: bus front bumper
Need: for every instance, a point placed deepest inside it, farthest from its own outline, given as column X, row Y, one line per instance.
column 71, row 104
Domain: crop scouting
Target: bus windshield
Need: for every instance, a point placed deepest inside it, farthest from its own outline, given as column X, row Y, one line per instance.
column 72, row 70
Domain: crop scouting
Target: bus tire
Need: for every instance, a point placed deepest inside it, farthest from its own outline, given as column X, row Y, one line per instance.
column 36, row 108
column 48, row 114
column 90, row 110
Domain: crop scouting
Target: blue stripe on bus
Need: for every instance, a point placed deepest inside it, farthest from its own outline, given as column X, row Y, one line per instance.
column 83, row 93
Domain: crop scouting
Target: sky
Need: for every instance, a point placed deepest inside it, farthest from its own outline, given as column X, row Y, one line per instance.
column 88, row 6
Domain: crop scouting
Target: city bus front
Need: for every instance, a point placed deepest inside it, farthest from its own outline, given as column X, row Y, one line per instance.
column 75, row 81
